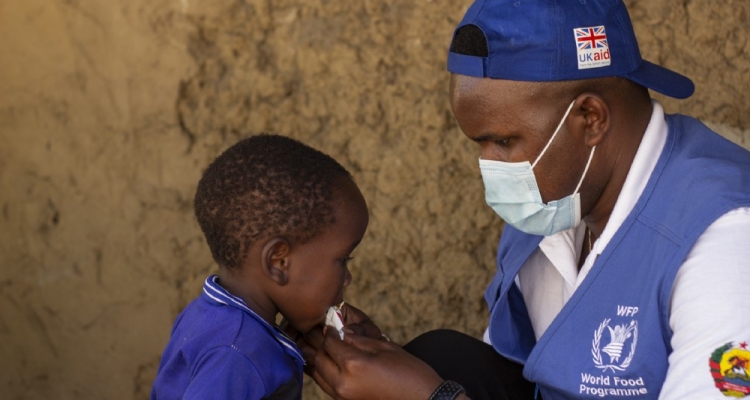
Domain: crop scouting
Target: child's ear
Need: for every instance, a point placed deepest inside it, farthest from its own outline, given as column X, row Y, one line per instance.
column 275, row 260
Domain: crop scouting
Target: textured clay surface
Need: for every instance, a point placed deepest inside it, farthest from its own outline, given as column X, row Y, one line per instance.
column 110, row 110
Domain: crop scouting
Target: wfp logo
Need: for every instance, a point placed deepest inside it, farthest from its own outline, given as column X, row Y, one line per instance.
column 620, row 348
column 593, row 49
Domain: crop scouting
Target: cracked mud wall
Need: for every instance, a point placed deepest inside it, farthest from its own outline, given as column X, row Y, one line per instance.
column 110, row 110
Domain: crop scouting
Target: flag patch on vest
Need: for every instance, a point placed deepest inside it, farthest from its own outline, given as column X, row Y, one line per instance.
column 730, row 368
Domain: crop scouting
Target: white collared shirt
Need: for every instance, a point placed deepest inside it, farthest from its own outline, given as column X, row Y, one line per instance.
column 710, row 296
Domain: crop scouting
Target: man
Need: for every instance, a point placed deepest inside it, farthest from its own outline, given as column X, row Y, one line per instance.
column 622, row 271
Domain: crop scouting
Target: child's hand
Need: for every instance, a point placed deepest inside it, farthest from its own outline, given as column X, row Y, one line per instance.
column 358, row 323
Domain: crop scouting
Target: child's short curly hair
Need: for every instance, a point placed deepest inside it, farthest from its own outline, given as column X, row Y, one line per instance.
column 264, row 186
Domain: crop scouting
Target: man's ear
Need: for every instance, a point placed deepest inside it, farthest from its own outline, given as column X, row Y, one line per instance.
column 275, row 260
column 596, row 117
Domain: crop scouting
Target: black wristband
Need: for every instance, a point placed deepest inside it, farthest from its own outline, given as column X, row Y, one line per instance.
column 448, row 390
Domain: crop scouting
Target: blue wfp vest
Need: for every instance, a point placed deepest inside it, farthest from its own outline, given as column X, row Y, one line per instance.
column 612, row 338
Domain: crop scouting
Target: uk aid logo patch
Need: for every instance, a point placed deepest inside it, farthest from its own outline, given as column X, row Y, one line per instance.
column 593, row 49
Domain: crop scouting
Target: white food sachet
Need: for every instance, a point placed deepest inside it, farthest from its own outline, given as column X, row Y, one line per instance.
column 335, row 319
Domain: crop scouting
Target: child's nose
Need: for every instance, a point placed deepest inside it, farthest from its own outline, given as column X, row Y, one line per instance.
column 347, row 278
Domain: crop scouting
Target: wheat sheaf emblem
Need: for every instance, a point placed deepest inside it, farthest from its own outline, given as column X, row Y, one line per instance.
column 618, row 336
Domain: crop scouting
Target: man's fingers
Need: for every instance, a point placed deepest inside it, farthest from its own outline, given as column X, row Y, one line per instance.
column 358, row 322
column 364, row 329
column 308, row 354
column 359, row 367
column 323, row 384
column 340, row 350
column 326, row 373
column 320, row 381
column 314, row 337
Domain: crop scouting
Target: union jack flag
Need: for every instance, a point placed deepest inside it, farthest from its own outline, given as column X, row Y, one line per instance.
column 591, row 38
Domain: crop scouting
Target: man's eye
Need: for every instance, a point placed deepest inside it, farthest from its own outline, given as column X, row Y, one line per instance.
column 503, row 142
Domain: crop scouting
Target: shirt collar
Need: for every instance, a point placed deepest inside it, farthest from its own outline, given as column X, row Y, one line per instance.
column 643, row 165
column 214, row 293
column 641, row 168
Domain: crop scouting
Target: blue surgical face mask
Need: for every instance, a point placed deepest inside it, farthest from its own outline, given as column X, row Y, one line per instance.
column 512, row 192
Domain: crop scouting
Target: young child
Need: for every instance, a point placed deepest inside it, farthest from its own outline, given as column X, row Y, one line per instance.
column 281, row 220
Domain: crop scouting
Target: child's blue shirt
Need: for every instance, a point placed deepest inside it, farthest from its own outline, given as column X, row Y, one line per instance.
column 221, row 349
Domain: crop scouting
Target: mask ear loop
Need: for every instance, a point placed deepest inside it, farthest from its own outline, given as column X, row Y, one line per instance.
column 570, row 107
column 588, row 163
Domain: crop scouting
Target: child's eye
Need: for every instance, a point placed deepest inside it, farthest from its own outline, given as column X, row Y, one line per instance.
column 345, row 261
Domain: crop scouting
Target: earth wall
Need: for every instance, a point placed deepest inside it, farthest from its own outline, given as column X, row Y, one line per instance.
column 110, row 110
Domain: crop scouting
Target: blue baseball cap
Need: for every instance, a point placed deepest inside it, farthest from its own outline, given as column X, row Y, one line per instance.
column 548, row 40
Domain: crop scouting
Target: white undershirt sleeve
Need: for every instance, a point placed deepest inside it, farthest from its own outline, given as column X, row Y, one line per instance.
column 710, row 306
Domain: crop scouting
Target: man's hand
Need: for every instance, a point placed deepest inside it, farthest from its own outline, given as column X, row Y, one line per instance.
column 357, row 322
column 361, row 367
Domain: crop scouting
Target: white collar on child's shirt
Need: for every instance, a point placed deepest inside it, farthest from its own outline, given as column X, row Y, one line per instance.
column 215, row 292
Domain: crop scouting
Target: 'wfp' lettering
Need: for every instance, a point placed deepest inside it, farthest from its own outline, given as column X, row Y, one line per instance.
column 625, row 311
